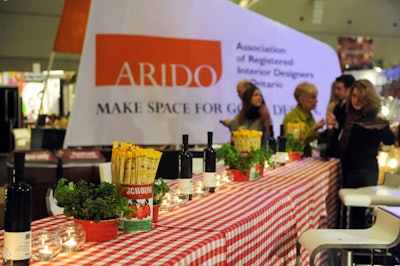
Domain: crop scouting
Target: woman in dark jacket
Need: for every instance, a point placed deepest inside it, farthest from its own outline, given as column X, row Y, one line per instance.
column 361, row 137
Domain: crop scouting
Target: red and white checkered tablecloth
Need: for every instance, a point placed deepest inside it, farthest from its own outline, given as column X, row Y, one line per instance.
column 258, row 226
column 248, row 223
column 312, row 186
column 160, row 246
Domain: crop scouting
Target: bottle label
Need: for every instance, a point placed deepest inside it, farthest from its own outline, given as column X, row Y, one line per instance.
column 280, row 157
column 17, row 245
column 209, row 179
column 253, row 173
column 185, row 185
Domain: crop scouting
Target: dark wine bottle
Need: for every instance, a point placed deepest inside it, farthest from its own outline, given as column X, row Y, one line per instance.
column 185, row 160
column 397, row 143
column 17, row 217
column 280, row 156
column 271, row 139
column 323, row 141
column 209, row 164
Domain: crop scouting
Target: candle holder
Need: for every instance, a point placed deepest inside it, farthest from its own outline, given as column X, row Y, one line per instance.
column 180, row 198
column 168, row 202
column 72, row 235
column 199, row 190
column 45, row 245
column 226, row 177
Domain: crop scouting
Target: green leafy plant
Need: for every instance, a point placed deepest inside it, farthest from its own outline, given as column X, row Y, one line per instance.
column 87, row 201
column 261, row 155
column 159, row 190
column 242, row 161
column 293, row 144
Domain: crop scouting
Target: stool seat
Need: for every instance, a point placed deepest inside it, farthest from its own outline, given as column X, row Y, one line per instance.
column 370, row 196
column 384, row 234
column 51, row 203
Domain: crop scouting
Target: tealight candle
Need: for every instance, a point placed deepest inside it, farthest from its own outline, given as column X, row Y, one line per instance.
column 218, row 185
column 167, row 203
column 199, row 190
column 199, row 193
column 180, row 198
column 45, row 246
column 73, row 236
column 46, row 251
column 70, row 243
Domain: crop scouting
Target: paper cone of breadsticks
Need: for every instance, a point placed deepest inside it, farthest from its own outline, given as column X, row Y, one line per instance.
column 133, row 165
column 244, row 139
column 114, row 163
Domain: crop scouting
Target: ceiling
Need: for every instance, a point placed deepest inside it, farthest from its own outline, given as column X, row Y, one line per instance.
column 327, row 20
column 28, row 28
column 339, row 17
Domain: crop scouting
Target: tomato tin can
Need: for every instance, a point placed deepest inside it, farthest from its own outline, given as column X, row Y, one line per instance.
column 141, row 200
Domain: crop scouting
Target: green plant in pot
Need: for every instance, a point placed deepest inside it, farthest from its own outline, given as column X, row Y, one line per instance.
column 242, row 161
column 160, row 187
column 294, row 147
column 232, row 157
column 159, row 190
column 259, row 157
column 92, row 204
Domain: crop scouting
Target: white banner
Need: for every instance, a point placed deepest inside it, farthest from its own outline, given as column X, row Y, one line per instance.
column 153, row 70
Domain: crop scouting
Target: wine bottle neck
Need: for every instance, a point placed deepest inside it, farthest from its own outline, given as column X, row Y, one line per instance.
column 185, row 142
column 282, row 133
column 209, row 139
column 19, row 166
column 18, row 178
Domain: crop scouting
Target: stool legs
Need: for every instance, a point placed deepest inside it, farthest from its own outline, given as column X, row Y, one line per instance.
column 346, row 258
column 297, row 254
column 344, row 220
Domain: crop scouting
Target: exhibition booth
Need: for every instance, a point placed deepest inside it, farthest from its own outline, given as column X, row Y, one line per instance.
column 176, row 74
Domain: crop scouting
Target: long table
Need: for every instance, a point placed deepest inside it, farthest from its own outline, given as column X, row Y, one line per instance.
column 313, row 187
column 159, row 246
column 309, row 189
column 248, row 223
column 255, row 225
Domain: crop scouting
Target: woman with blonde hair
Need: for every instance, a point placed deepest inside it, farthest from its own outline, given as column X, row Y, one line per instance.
column 306, row 97
column 361, row 137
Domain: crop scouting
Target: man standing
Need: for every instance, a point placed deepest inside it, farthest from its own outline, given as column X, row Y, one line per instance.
column 241, row 87
column 342, row 90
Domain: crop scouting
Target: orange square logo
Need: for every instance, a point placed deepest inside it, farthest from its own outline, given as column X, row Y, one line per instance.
column 129, row 60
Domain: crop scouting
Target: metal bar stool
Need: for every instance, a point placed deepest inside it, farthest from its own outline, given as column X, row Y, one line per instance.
column 384, row 234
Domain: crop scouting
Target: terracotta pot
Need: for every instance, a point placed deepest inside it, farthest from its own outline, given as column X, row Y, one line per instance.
column 238, row 175
column 101, row 231
column 259, row 169
column 294, row 156
column 155, row 212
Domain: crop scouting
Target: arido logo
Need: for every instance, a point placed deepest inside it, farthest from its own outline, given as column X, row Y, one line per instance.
column 127, row 60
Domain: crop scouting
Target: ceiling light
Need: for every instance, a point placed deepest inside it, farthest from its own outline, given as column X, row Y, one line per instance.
column 247, row 3
column 318, row 11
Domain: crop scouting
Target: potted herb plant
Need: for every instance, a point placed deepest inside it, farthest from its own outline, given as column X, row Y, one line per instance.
column 259, row 157
column 241, row 163
column 294, row 147
column 160, row 187
column 96, row 207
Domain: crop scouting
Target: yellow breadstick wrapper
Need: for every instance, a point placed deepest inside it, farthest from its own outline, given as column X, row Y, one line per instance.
column 134, row 165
